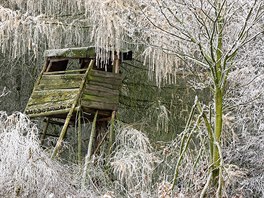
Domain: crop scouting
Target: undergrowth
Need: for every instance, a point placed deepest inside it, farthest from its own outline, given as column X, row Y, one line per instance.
column 26, row 169
column 134, row 169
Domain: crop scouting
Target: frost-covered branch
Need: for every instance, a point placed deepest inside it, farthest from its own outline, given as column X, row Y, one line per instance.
column 4, row 92
column 27, row 31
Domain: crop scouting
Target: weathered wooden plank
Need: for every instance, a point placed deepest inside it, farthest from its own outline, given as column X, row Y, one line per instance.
column 102, row 113
column 98, row 105
column 49, row 106
column 65, row 72
column 41, row 97
column 60, row 81
column 112, row 81
column 59, row 91
column 79, row 137
column 104, row 74
column 99, row 92
column 51, row 113
column 103, row 85
column 109, row 99
column 91, row 87
column 69, row 84
column 62, row 77
column 49, row 82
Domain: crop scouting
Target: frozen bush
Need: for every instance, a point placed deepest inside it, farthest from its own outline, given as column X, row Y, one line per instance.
column 26, row 170
column 133, row 161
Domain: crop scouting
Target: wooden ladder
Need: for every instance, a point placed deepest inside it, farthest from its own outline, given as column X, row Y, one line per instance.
column 69, row 115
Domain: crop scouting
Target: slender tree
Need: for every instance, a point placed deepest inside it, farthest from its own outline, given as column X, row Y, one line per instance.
column 204, row 35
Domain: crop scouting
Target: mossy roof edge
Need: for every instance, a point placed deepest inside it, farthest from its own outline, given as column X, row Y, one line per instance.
column 78, row 52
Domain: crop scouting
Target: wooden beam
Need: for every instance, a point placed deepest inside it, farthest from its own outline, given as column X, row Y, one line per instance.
column 99, row 105
column 62, row 76
column 101, row 113
column 65, row 72
column 103, row 99
column 51, row 113
column 100, row 92
column 104, row 85
column 112, row 80
column 90, row 87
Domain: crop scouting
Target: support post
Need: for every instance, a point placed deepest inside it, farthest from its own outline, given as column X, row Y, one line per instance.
column 44, row 132
column 89, row 150
column 92, row 135
column 79, row 137
column 111, row 133
column 116, row 67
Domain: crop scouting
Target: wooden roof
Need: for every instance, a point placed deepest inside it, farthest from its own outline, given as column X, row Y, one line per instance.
column 80, row 52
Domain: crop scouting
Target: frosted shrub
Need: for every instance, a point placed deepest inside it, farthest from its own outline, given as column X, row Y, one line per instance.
column 245, row 100
column 247, row 154
column 133, row 162
column 26, row 170
column 133, row 138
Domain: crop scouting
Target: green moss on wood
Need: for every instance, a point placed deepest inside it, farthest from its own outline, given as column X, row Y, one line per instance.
column 62, row 76
column 101, row 93
column 49, row 106
column 98, row 105
column 109, row 99
column 81, row 52
column 60, row 84
column 91, row 87
column 103, row 85
column 41, row 97
column 112, row 81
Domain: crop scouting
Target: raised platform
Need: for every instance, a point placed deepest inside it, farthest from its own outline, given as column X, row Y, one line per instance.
column 56, row 92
